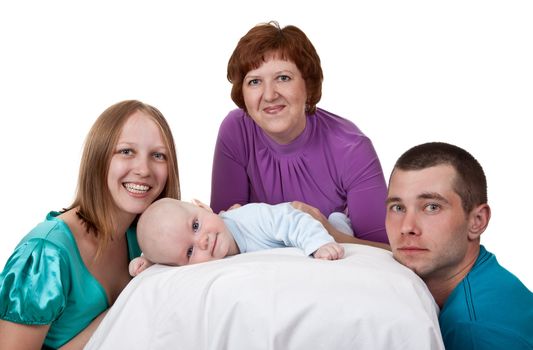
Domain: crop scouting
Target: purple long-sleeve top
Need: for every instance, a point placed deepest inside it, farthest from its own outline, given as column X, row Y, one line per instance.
column 331, row 165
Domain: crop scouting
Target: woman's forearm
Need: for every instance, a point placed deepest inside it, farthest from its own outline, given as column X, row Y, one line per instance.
column 341, row 237
column 82, row 338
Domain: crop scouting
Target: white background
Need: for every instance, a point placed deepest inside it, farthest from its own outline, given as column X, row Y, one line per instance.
column 405, row 72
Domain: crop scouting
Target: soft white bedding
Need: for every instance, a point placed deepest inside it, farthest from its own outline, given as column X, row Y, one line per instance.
column 275, row 299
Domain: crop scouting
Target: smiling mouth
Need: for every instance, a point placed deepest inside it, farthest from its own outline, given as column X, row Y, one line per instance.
column 214, row 244
column 136, row 188
column 273, row 109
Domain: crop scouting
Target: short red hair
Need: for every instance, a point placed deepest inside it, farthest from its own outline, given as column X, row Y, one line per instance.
column 288, row 43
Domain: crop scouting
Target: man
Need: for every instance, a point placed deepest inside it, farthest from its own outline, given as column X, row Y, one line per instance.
column 436, row 212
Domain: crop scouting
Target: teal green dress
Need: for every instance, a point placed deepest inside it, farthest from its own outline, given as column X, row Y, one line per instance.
column 46, row 282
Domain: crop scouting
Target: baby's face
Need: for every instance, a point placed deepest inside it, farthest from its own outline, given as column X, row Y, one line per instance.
column 201, row 236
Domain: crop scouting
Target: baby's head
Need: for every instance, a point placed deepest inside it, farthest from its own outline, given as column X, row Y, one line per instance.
column 177, row 233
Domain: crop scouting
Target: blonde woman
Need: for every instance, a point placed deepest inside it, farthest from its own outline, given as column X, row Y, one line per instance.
column 65, row 274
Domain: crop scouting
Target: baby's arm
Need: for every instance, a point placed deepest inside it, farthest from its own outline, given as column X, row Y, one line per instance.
column 138, row 265
column 297, row 228
column 329, row 251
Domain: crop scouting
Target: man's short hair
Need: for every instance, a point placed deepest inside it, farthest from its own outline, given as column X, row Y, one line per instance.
column 470, row 181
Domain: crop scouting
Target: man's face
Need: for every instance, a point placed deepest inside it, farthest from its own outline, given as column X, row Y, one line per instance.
column 426, row 224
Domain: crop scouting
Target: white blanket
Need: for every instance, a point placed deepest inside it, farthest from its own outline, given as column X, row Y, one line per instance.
column 275, row 299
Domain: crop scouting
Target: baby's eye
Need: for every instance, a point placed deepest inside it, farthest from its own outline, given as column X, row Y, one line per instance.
column 189, row 252
column 195, row 225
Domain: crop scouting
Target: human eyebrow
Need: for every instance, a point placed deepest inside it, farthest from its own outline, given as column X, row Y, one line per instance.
column 284, row 72
column 392, row 200
column 251, row 77
column 121, row 145
column 160, row 149
column 433, row 195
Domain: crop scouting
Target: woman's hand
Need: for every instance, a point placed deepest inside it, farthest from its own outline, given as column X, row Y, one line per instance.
column 314, row 212
column 234, row 206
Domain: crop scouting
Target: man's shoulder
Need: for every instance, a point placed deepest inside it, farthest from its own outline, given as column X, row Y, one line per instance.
column 487, row 283
column 489, row 278
column 488, row 297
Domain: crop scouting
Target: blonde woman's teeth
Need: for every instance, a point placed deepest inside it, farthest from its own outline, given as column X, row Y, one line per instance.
column 136, row 188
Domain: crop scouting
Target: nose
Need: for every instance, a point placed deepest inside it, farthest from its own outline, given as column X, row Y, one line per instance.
column 141, row 166
column 270, row 92
column 409, row 224
column 202, row 240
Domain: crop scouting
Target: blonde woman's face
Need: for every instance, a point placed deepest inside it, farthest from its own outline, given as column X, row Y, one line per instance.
column 138, row 170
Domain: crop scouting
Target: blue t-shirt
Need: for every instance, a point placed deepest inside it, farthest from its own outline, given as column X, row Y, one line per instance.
column 490, row 309
column 46, row 282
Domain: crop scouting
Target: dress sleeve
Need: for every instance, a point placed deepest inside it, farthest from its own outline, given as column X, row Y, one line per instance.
column 229, row 180
column 34, row 284
column 366, row 192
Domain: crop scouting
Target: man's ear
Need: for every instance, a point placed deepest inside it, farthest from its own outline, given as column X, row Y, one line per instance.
column 201, row 205
column 479, row 220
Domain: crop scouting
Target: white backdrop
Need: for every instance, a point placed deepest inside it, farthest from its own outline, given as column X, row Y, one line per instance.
column 405, row 72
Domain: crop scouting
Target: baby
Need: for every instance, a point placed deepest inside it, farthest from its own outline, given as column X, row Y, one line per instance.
column 178, row 233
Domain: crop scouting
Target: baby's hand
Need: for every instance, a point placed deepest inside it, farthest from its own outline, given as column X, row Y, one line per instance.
column 330, row 251
column 138, row 265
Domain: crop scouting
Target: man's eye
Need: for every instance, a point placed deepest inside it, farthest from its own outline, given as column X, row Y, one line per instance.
column 396, row 208
column 189, row 252
column 195, row 225
column 432, row 207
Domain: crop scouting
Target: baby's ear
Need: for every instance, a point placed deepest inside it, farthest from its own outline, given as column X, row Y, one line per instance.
column 201, row 205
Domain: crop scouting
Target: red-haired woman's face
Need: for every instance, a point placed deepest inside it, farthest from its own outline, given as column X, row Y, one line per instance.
column 275, row 96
